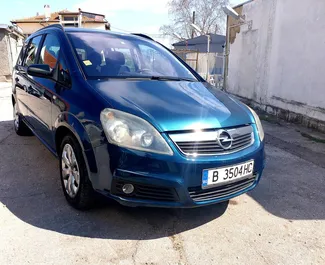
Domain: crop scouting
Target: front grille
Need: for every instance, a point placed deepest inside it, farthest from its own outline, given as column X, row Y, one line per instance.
column 147, row 192
column 205, row 143
column 199, row 195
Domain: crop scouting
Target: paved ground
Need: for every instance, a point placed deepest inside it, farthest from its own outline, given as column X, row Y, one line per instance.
column 281, row 222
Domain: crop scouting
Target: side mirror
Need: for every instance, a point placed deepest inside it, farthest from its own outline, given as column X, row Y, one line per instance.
column 39, row 70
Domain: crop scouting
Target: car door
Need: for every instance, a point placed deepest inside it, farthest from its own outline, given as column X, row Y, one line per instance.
column 21, row 83
column 42, row 90
column 62, row 89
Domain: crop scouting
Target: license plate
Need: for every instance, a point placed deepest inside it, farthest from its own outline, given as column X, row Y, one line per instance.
column 217, row 176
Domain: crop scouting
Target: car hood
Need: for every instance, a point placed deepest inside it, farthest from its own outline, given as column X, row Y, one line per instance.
column 174, row 105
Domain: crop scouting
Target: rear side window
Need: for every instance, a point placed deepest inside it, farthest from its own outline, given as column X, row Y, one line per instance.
column 50, row 51
column 31, row 51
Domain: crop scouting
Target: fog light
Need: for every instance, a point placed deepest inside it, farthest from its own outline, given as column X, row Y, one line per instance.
column 128, row 188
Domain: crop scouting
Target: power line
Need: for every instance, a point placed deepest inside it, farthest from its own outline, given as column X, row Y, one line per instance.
column 121, row 29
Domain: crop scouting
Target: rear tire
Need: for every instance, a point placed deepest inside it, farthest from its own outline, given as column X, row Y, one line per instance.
column 20, row 127
column 75, row 181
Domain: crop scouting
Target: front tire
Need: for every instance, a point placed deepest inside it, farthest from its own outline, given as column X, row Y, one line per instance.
column 75, row 182
column 20, row 127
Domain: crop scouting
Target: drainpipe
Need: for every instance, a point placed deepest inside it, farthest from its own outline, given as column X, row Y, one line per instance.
column 208, row 61
column 226, row 54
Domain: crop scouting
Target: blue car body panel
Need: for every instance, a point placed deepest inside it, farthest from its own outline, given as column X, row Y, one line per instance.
column 174, row 106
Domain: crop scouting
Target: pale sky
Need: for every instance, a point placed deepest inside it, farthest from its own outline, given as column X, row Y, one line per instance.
column 144, row 16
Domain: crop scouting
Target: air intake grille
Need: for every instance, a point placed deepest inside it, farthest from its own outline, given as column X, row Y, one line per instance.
column 205, row 143
column 199, row 195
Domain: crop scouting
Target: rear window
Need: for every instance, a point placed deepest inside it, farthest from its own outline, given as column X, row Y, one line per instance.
column 104, row 55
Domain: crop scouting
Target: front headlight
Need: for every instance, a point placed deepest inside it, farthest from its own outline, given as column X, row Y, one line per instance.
column 132, row 132
column 258, row 124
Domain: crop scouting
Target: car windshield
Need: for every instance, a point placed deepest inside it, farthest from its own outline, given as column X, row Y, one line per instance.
column 105, row 55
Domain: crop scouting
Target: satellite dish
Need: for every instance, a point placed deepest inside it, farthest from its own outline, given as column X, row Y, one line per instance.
column 231, row 12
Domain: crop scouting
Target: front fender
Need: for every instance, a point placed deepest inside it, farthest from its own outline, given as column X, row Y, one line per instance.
column 74, row 125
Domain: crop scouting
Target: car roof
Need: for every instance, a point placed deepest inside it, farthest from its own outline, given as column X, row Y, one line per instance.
column 85, row 30
column 108, row 32
column 94, row 30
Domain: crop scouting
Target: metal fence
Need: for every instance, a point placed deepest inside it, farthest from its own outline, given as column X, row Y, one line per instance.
column 191, row 57
column 198, row 61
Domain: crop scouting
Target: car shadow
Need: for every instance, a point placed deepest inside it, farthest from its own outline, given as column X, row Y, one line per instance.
column 30, row 189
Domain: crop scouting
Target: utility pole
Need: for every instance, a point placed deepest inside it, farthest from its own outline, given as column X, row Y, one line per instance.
column 193, row 22
column 208, row 47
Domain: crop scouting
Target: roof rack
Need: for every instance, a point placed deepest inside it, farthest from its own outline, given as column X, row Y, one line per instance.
column 143, row 36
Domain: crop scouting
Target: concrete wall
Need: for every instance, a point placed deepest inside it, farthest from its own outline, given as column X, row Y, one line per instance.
column 279, row 64
column 4, row 65
column 10, row 47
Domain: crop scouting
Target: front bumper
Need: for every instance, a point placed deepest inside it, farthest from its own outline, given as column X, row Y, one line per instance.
column 170, row 181
column 184, row 199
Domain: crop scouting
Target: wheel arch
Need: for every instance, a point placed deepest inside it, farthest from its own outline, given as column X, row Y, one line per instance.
column 71, row 125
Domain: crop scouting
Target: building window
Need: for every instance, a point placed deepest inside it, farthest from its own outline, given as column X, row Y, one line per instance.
column 69, row 21
column 70, row 18
column 71, row 25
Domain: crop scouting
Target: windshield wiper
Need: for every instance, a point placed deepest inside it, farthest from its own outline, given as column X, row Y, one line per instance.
column 171, row 78
column 153, row 77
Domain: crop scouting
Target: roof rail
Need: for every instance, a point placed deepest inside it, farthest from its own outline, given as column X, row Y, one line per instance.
column 58, row 26
column 143, row 36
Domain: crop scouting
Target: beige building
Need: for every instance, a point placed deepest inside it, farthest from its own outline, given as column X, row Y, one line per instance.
column 66, row 18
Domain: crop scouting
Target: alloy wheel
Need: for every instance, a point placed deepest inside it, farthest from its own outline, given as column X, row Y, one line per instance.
column 16, row 117
column 70, row 171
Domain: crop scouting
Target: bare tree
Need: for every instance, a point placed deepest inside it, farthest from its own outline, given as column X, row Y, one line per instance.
column 209, row 16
